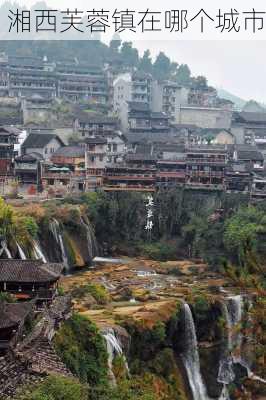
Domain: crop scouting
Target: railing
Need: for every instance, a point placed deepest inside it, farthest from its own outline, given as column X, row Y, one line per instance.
column 168, row 174
column 130, row 177
column 205, row 160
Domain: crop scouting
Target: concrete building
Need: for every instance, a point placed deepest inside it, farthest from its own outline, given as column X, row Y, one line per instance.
column 167, row 97
column 122, row 91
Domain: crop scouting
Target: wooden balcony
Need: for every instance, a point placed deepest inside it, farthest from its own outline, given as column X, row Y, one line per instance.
column 128, row 188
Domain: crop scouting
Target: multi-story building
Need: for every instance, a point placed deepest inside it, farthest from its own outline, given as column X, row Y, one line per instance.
column 137, row 173
column 122, row 92
column 141, row 87
column 30, row 77
column 80, row 82
column 168, row 97
column 95, row 125
column 95, row 161
column 206, row 165
column 8, row 139
column 141, row 119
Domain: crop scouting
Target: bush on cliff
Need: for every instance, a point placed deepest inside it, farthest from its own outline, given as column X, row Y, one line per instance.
column 82, row 348
column 56, row 388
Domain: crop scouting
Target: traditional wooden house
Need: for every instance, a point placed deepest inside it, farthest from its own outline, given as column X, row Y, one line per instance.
column 13, row 322
column 206, row 164
column 45, row 144
column 8, row 138
column 27, row 279
column 28, row 169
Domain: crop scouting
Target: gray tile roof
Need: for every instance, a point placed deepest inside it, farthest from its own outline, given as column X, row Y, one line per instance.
column 29, row 271
column 39, row 140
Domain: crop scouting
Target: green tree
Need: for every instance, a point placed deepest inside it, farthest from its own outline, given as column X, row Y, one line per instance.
column 242, row 230
column 183, row 75
column 145, row 63
column 129, row 55
column 162, row 67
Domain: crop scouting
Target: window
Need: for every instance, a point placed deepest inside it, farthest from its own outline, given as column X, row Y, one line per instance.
column 114, row 147
column 101, row 158
column 92, row 159
column 45, row 150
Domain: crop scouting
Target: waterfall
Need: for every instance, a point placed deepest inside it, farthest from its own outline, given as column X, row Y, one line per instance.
column 5, row 249
column 114, row 347
column 91, row 240
column 233, row 313
column 38, row 252
column 191, row 358
column 57, row 234
column 21, row 252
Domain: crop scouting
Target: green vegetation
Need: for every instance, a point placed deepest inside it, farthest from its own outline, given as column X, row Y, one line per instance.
column 82, row 348
column 16, row 226
column 98, row 292
column 56, row 388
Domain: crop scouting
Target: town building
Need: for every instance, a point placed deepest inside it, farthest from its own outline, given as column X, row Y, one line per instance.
column 249, row 155
column 8, row 139
column 28, row 279
column 78, row 82
column 142, row 87
column 30, row 76
column 122, row 92
column 45, row 144
column 167, row 97
column 28, row 168
column 205, row 165
column 13, row 323
column 249, row 127
column 95, row 161
column 66, row 169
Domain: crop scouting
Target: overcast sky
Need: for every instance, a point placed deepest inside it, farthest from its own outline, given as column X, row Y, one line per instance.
column 237, row 66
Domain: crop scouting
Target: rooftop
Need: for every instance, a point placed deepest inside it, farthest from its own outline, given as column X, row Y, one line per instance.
column 11, row 314
column 29, row 271
column 96, row 140
column 39, row 140
column 70, row 151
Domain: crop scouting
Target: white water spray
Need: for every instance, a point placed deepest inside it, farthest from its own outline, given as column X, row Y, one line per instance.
column 114, row 348
column 191, row 358
column 22, row 255
column 57, row 234
column 38, row 252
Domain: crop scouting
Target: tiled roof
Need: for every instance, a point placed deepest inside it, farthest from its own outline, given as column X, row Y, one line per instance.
column 95, row 140
column 70, row 151
column 252, row 117
column 11, row 314
column 39, row 140
column 28, row 271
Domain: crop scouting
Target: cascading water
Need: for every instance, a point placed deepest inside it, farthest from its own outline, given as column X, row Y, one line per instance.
column 91, row 240
column 4, row 249
column 38, row 252
column 114, row 347
column 191, row 358
column 57, row 234
column 21, row 252
column 233, row 313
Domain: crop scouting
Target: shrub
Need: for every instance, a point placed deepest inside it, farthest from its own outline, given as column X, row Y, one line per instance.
column 158, row 251
column 82, row 348
column 56, row 388
column 97, row 291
